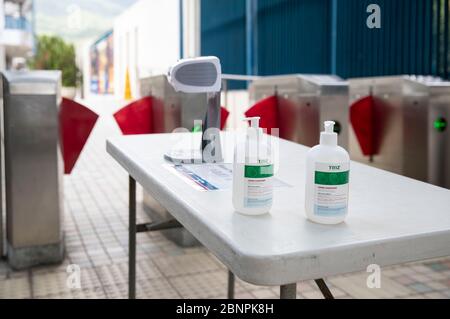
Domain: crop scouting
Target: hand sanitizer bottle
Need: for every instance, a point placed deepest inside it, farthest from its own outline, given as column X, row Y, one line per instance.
column 253, row 172
column 327, row 179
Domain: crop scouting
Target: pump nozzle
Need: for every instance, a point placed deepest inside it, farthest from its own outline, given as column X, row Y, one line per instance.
column 328, row 137
column 329, row 126
column 254, row 121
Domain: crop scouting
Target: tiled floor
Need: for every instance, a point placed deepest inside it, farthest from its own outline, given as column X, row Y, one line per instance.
column 96, row 240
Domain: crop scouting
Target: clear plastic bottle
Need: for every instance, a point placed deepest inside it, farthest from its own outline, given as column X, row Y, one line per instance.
column 253, row 172
column 327, row 179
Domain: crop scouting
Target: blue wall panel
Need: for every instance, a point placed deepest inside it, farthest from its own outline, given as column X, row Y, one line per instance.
column 223, row 34
column 296, row 36
column 401, row 46
column 293, row 36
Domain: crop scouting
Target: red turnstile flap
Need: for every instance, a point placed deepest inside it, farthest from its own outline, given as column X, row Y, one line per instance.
column 136, row 117
column 76, row 123
column 362, row 118
column 223, row 117
column 267, row 110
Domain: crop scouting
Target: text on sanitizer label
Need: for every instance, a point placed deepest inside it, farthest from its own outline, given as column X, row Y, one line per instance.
column 258, row 185
column 331, row 189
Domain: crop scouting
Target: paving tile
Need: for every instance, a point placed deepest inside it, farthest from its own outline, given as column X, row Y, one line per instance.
column 305, row 286
column 265, row 293
column 113, row 274
column 15, row 288
column 158, row 288
column 62, row 267
column 313, row 294
column 404, row 280
column 438, row 266
column 18, row 273
column 435, row 295
column 356, row 287
column 437, row 275
column 420, row 287
column 391, row 272
column 244, row 295
column 436, row 285
column 414, row 296
column 185, row 264
column 212, row 284
column 88, row 293
column 56, row 283
column 249, row 287
column 338, row 292
column 421, row 278
column 420, row 268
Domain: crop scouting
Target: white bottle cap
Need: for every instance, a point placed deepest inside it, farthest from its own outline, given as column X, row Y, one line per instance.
column 328, row 137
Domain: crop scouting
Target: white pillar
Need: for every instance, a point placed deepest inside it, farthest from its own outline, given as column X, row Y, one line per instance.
column 2, row 47
column 191, row 28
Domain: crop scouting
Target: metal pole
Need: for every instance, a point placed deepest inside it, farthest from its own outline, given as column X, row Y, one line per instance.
column 251, row 35
column 333, row 36
column 230, row 285
column 211, row 130
column 288, row 291
column 324, row 289
column 132, row 240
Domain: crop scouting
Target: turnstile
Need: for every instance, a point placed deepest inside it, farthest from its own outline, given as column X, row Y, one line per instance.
column 409, row 120
column 33, row 167
column 304, row 103
column 171, row 110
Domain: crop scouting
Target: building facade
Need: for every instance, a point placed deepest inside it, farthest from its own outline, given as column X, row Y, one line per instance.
column 16, row 31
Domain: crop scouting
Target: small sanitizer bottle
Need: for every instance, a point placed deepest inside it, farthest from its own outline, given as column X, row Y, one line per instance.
column 327, row 178
column 253, row 172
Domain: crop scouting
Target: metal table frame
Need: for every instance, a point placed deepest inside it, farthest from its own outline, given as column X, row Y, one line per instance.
column 288, row 291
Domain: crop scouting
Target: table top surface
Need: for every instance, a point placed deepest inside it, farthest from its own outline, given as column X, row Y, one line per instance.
column 392, row 219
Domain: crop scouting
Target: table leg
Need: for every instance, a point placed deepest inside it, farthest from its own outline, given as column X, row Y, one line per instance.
column 324, row 288
column 132, row 240
column 230, row 285
column 288, row 291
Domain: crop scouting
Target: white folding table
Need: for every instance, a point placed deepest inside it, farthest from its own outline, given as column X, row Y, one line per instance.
column 392, row 219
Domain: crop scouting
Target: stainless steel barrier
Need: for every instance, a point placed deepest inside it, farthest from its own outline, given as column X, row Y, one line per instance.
column 304, row 103
column 411, row 118
column 33, row 167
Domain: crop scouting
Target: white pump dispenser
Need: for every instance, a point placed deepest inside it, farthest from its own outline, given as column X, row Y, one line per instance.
column 327, row 179
column 253, row 172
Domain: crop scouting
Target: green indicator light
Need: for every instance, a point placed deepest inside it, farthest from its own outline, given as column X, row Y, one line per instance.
column 440, row 124
column 197, row 128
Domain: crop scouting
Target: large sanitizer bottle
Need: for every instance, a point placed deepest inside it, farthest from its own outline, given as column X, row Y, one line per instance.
column 253, row 172
column 327, row 179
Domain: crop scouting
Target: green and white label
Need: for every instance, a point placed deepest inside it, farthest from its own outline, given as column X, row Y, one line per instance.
column 258, row 185
column 331, row 189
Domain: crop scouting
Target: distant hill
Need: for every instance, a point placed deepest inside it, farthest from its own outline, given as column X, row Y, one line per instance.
column 79, row 20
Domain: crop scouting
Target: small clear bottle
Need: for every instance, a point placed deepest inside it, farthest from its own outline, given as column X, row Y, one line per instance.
column 253, row 172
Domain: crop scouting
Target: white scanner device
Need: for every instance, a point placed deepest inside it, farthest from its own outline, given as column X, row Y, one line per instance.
column 200, row 75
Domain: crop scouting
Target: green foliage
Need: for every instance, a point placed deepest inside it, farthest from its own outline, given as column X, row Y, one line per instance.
column 53, row 53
